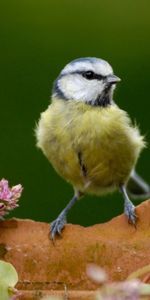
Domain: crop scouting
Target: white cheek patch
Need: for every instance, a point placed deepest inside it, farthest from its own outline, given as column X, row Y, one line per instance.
column 78, row 88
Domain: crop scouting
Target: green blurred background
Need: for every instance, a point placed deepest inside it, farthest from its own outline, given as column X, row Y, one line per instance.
column 37, row 38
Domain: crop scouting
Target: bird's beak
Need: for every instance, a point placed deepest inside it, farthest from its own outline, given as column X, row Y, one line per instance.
column 112, row 79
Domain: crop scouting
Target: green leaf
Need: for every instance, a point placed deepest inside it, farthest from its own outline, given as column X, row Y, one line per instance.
column 138, row 273
column 8, row 278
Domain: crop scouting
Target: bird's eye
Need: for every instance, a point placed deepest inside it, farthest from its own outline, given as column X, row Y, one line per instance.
column 89, row 75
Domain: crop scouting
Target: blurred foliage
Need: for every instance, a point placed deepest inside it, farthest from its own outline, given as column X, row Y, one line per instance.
column 37, row 39
column 130, row 289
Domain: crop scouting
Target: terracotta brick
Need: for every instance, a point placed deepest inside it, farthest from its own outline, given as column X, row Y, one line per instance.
column 45, row 267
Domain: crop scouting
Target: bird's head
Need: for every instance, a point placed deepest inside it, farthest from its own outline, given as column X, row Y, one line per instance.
column 90, row 80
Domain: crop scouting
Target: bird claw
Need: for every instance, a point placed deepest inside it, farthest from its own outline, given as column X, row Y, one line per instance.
column 131, row 215
column 57, row 226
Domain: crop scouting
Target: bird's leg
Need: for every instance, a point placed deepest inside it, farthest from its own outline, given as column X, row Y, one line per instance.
column 129, row 208
column 58, row 224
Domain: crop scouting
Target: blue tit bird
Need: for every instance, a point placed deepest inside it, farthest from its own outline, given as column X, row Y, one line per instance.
column 88, row 139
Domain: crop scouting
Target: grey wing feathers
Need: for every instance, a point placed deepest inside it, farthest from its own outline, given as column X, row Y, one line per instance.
column 137, row 187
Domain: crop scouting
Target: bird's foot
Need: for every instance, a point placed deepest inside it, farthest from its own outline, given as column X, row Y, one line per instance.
column 57, row 226
column 130, row 213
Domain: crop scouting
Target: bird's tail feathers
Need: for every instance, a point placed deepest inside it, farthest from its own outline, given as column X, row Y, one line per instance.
column 137, row 188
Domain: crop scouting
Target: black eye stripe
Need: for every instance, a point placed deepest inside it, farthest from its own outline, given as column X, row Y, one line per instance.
column 90, row 75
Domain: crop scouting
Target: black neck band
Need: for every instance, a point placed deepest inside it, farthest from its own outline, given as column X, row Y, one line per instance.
column 101, row 101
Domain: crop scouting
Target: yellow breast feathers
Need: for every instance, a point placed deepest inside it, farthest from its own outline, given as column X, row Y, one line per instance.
column 92, row 147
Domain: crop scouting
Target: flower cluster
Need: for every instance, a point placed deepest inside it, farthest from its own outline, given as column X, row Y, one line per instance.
column 131, row 289
column 8, row 197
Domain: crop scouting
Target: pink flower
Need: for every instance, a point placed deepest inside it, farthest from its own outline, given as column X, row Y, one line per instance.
column 5, row 192
column 15, row 293
column 8, row 196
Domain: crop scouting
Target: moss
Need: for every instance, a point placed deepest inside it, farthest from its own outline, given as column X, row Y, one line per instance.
column 97, row 253
column 3, row 250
